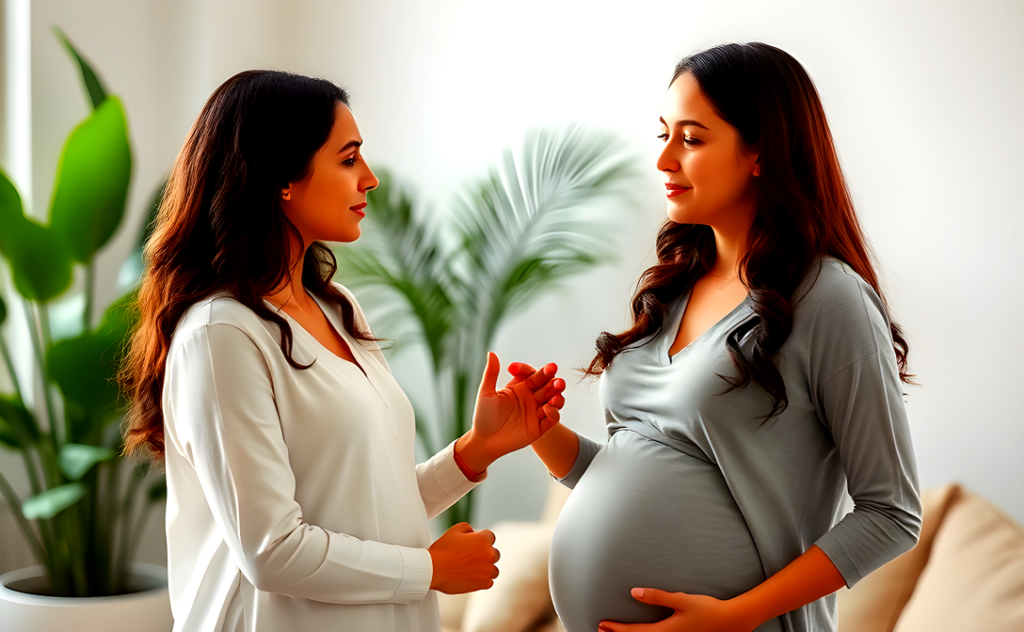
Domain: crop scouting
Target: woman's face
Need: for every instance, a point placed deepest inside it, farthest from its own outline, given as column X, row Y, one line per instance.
column 709, row 171
column 327, row 204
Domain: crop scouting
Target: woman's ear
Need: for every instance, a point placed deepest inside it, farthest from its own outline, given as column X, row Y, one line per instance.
column 286, row 194
column 757, row 166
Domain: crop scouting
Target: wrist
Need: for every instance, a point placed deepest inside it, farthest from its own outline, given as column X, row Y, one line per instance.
column 471, row 456
column 748, row 610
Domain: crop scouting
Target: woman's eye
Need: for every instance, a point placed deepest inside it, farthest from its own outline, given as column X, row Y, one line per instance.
column 689, row 140
column 663, row 137
column 351, row 161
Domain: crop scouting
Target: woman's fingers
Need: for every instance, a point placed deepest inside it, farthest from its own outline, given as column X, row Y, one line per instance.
column 551, row 413
column 655, row 597
column 521, row 369
column 541, row 376
column 550, row 390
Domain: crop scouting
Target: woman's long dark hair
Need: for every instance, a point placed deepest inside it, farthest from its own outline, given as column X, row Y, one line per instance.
column 220, row 227
column 804, row 211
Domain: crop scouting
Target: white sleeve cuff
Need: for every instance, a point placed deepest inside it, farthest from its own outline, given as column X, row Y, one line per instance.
column 441, row 481
column 417, row 571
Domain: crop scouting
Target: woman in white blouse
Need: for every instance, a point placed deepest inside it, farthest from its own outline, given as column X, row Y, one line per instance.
column 294, row 499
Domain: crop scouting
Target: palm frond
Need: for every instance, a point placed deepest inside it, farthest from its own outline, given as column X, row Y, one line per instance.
column 536, row 220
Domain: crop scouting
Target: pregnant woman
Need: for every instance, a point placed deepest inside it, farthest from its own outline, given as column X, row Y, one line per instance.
column 761, row 377
column 294, row 499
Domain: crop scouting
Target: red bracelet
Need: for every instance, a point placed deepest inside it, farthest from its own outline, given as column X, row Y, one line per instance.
column 468, row 473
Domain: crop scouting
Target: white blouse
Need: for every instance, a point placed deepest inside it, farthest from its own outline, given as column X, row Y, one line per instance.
column 294, row 498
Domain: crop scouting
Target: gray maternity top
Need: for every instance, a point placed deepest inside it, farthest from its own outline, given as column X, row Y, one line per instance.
column 694, row 492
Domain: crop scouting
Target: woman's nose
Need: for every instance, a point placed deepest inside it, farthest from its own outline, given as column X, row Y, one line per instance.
column 667, row 160
column 369, row 181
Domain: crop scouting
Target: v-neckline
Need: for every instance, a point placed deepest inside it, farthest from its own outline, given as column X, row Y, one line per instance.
column 338, row 330
column 672, row 330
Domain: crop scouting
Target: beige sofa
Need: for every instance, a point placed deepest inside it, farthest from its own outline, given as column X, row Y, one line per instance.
column 965, row 575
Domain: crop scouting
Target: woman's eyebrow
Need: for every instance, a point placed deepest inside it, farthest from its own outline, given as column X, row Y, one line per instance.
column 349, row 144
column 684, row 123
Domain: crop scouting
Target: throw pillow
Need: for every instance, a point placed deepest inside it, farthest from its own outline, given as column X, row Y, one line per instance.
column 875, row 602
column 975, row 576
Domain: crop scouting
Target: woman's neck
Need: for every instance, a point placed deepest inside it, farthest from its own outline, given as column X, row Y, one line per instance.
column 290, row 294
column 731, row 246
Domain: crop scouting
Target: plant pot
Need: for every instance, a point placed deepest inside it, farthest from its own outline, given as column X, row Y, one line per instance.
column 147, row 610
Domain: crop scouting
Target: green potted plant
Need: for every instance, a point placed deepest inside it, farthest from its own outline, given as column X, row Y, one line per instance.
column 513, row 235
column 84, row 513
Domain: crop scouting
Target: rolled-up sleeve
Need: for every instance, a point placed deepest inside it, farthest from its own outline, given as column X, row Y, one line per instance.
column 221, row 413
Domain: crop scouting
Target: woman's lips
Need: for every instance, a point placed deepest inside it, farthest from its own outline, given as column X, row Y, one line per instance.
column 675, row 189
column 358, row 208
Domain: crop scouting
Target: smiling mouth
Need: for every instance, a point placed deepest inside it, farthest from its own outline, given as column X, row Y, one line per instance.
column 673, row 189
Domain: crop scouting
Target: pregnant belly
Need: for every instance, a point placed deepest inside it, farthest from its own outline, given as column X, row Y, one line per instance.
column 645, row 515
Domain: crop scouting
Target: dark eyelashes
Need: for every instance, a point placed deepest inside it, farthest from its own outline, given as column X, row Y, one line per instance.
column 686, row 140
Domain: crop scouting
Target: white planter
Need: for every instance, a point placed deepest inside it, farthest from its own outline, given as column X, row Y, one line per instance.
column 148, row 610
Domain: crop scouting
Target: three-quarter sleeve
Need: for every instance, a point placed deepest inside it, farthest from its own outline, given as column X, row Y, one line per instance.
column 859, row 396
column 222, row 415
column 588, row 450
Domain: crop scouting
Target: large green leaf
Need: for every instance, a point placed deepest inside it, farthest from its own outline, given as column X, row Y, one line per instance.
column 53, row 501
column 92, row 181
column 10, row 209
column 76, row 459
column 84, row 367
column 90, row 80
column 77, row 366
column 38, row 257
column 17, row 425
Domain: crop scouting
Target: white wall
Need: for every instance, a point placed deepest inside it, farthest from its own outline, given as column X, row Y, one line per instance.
column 924, row 100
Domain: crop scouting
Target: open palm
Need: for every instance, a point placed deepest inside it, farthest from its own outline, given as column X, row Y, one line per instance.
column 517, row 415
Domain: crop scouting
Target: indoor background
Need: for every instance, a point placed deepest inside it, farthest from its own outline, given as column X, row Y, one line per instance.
column 925, row 99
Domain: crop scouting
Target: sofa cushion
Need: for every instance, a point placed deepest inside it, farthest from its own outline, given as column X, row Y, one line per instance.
column 975, row 574
column 519, row 599
column 874, row 604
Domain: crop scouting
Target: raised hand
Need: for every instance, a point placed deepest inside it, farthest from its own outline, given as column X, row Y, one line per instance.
column 692, row 612
column 511, row 418
column 463, row 560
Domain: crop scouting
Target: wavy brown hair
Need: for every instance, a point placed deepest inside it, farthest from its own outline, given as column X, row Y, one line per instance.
column 220, row 227
column 804, row 211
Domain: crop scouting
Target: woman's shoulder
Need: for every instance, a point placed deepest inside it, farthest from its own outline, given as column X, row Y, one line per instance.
column 347, row 293
column 832, row 282
column 360, row 317
column 834, row 298
column 218, row 309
